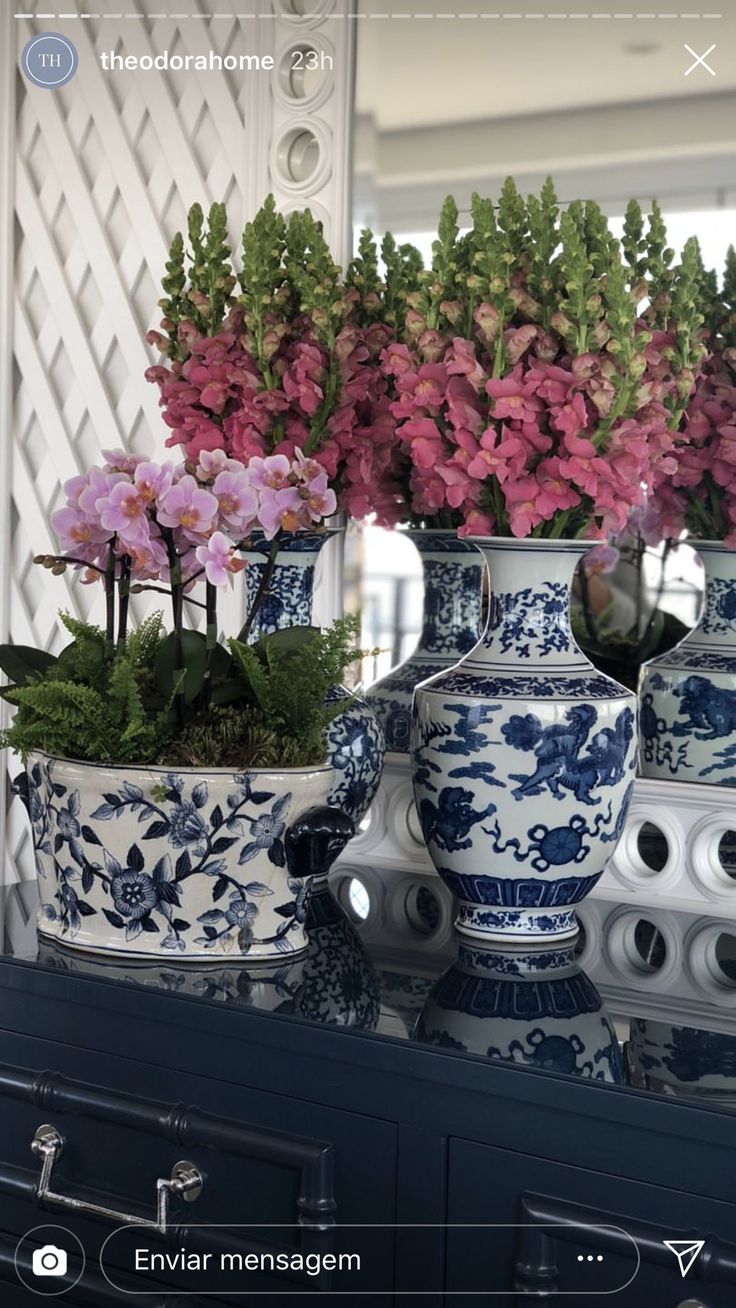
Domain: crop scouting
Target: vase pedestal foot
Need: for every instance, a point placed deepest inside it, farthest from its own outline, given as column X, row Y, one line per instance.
column 508, row 925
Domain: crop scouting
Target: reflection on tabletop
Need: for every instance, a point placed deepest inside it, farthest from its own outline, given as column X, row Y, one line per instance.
column 642, row 997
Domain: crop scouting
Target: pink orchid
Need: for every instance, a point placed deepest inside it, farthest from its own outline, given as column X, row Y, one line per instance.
column 152, row 480
column 317, row 499
column 189, row 506
column 282, row 510
column 121, row 461
column 272, row 473
column 213, row 461
column 76, row 532
column 218, row 560
column 237, row 499
column 125, row 514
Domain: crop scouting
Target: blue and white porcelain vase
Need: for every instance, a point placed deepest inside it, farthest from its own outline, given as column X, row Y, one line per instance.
column 687, row 697
column 523, row 755
column 534, row 1008
column 682, row 1060
column 340, row 984
column 178, row 864
column 355, row 743
column 451, row 624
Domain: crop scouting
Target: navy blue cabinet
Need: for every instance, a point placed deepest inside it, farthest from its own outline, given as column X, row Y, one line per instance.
column 268, row 1161
column 488, row 1185
column 440, row 1169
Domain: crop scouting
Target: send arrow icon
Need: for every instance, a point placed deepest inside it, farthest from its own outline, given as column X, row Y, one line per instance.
column 685, row 1251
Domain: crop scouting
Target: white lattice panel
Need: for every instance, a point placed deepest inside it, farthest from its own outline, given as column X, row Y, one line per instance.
column 102, row 173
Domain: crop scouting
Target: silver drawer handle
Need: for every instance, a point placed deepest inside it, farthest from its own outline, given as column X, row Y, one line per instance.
column 185, row 1182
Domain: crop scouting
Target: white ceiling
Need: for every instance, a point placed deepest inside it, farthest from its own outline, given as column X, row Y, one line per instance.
column 415, row 71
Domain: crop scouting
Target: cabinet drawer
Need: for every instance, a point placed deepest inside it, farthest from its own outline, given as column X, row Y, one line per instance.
column 488, row 1185
column 264, row 1158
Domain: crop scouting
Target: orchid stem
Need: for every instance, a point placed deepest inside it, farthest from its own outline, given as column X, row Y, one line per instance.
column 110, row 601
column 261, row 593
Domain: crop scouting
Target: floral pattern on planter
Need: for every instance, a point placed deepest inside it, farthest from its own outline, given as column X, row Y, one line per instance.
column 152, row 861
column 451, row 624
column 269, row 987
column 687, row 697
column 355, row 738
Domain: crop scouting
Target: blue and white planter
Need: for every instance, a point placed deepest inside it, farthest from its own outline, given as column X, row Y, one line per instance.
column 538, row 1009
column 451, row 625
column 523, row 755
column 355, row 744
column 271, row 987
column 174, row 864
column 687, row 697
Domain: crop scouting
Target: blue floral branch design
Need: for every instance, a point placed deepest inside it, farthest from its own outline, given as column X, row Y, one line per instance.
column 143, row 900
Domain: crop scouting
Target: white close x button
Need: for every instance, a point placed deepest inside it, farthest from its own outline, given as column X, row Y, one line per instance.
column 700, row 60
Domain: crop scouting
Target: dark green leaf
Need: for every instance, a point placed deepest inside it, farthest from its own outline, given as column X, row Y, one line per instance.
column 194, row 658
column 229, row 691
column 289, row 640
column 22, row 662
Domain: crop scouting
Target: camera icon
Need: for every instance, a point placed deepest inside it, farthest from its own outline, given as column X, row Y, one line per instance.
column 49, row 1261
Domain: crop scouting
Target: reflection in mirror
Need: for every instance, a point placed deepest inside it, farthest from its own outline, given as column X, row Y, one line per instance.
column 614, row 107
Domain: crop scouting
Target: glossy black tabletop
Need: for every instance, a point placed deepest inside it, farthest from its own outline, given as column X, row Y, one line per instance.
column 643, row 996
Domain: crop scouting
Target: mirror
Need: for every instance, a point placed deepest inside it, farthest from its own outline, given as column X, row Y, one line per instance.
column 613, row 106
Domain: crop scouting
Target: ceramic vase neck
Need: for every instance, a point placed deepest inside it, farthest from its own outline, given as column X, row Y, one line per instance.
column 290, row 595
column 717, row 626
column 453, row 579
column 529, row 618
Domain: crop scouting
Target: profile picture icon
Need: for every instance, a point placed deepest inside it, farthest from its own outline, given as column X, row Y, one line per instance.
column 49, row 1260
column 49, row 60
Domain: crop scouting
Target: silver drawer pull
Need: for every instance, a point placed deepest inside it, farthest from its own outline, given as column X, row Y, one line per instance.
column 185, row 1182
